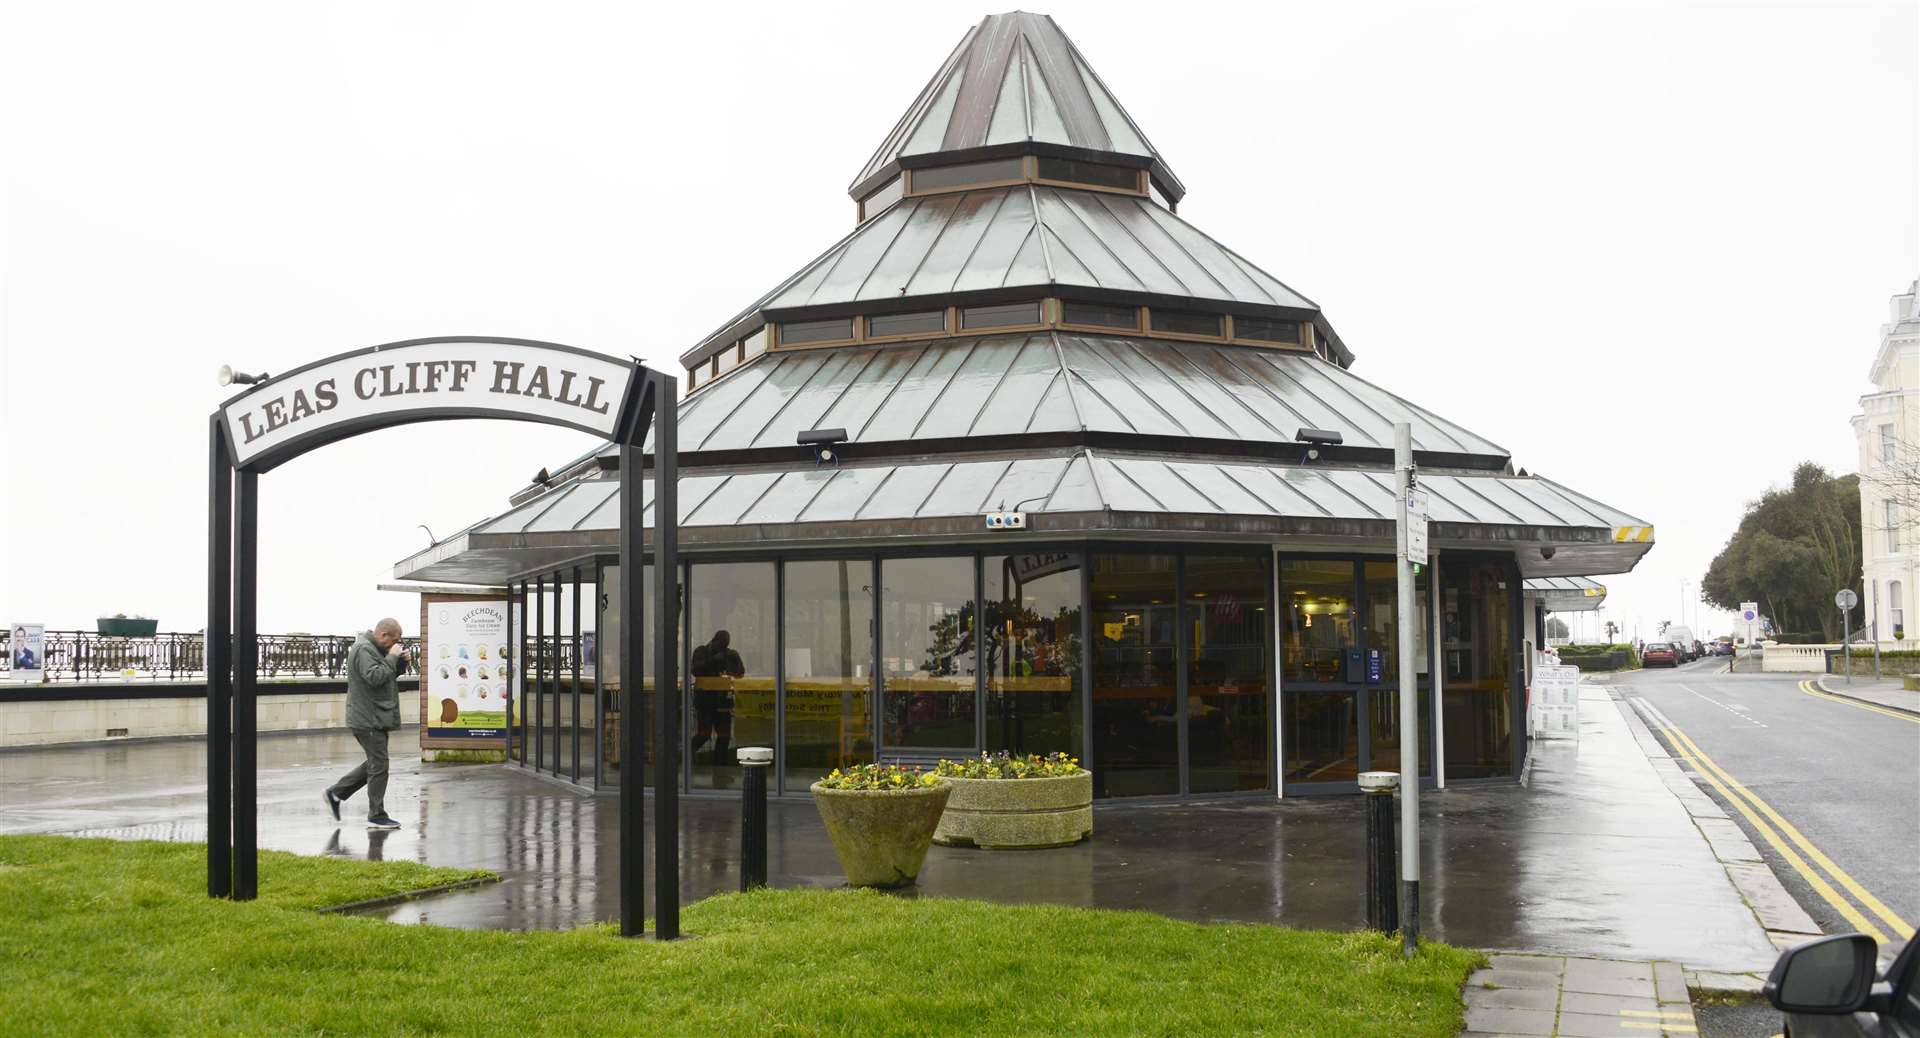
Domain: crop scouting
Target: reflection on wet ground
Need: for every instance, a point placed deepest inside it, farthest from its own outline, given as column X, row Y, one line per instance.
column 1593, row 857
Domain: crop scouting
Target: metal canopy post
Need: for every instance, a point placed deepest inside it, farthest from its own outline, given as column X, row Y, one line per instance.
column 217, row 648
column 633, row 766
column 246, row 667
column 656, row 407
column 666, row 618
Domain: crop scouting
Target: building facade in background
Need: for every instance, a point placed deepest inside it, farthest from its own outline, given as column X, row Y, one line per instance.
column 1888, row 431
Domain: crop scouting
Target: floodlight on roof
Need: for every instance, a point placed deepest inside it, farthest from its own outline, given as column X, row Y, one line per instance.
column 822, row 441
column 1316, row 439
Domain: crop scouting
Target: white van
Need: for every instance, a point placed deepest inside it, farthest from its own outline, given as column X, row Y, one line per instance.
column 1682, row 639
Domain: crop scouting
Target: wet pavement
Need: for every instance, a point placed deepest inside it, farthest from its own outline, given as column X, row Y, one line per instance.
column 1594, row 856
column 1822, row 791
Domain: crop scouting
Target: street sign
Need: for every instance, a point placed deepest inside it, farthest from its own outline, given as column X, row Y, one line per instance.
column 1417, row 526
column 1846, row 599
column 1749, row 611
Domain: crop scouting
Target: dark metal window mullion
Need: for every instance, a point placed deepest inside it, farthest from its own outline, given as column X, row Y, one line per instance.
column 1182, row 648
column 1086, row 657
column 599, row 684
column 539, row 672
column 552, row 689
column 684, row 626
column 873, row 644
column 1516, row 671
column 1363, row 696
column 779, row 674
column 980, row 658
column 576, row 674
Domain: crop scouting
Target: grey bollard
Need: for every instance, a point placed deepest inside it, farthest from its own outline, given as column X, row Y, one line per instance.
column 755, row 761
column 1383, row 905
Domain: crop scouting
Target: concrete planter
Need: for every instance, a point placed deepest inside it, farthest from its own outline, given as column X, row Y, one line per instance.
column 881, row 835
column 1005, row 814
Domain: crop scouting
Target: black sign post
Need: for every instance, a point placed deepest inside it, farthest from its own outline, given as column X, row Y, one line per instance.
column 279, row 419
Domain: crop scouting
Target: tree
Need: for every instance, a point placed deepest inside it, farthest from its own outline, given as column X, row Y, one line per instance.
column 1793, row 549
column 1556, row 628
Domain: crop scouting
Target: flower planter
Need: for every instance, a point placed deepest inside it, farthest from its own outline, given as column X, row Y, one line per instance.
column 1026, row 813
column 122, row 627
column 881, row 835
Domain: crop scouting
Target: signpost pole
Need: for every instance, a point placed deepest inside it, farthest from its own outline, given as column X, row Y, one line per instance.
column 246, row 668
column 1844, row 600
column 1876, row 630
column 217, row 649
column 1410, row 547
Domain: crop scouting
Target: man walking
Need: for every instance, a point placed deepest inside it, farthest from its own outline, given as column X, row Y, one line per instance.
column 373, row 709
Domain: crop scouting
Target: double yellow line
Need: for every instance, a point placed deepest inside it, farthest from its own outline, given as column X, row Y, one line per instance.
column 1759, row 814
column 1813, row 689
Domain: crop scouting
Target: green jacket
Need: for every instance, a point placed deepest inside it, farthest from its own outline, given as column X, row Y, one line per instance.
column 373, row 689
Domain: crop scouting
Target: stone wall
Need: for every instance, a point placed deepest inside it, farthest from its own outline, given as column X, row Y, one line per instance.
column 51, row 722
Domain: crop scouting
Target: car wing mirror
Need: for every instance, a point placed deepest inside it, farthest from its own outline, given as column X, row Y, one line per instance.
column 1830, row 976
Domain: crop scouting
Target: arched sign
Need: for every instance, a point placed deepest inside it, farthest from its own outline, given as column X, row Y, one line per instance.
column 424, row 380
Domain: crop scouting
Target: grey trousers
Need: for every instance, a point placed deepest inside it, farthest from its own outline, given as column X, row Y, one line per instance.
column 372, row 773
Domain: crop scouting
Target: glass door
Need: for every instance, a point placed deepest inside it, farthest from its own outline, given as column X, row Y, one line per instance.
column 928, row 674
column 1340, row 670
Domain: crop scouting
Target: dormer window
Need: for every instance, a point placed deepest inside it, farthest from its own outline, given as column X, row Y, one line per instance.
column 1184, row 322
column 1090, row 174
column 1099, row 315
column 1007, row 315
column 1022, row 169
column 965, row 175
column 1262, row 329
column 794, row 333
column 885, row 326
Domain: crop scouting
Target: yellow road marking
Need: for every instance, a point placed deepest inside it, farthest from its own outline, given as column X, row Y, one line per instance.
column 1874, row 904
column 1814, row 690
column 1665, row 1014
column 1676, row 1028
column 1820, row 886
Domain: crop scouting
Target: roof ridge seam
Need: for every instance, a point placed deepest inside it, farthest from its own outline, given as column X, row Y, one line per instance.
column 1046, row 254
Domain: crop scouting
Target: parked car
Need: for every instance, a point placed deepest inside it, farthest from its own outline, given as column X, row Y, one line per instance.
column 1827, row 987
column 1723, row 648
column 1699, row 650
column 1659, row 652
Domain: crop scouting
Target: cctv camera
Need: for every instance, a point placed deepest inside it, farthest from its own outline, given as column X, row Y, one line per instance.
column 1546, row 553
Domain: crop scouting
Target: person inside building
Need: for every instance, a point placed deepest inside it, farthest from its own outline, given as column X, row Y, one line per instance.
column 714, row 666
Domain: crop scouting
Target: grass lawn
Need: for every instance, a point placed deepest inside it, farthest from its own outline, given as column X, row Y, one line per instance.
column 109, row 937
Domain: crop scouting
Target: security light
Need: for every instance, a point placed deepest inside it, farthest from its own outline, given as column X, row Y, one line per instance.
column 822, row 441
column 228, row 376
column 1316, row 439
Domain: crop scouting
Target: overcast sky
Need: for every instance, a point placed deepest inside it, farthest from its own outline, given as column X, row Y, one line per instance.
column 1646, row 247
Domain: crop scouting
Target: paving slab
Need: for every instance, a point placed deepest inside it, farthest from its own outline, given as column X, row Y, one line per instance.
column 1593, row 998
column 1543, row 998
column 1511, row 1021
column 1890, row 693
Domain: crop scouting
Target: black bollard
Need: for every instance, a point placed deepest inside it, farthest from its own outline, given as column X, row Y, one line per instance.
column 1383, row 907
column 755, row 761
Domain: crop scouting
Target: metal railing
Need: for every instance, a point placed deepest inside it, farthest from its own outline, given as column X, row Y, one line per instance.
column 177, row 656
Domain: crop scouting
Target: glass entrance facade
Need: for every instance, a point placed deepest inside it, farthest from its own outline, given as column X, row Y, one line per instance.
column 1169, row 672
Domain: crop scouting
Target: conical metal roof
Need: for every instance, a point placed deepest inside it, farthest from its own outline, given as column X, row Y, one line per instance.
column 1015, row 82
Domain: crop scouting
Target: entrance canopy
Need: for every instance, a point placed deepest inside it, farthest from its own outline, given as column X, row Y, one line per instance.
column 1566, row 594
